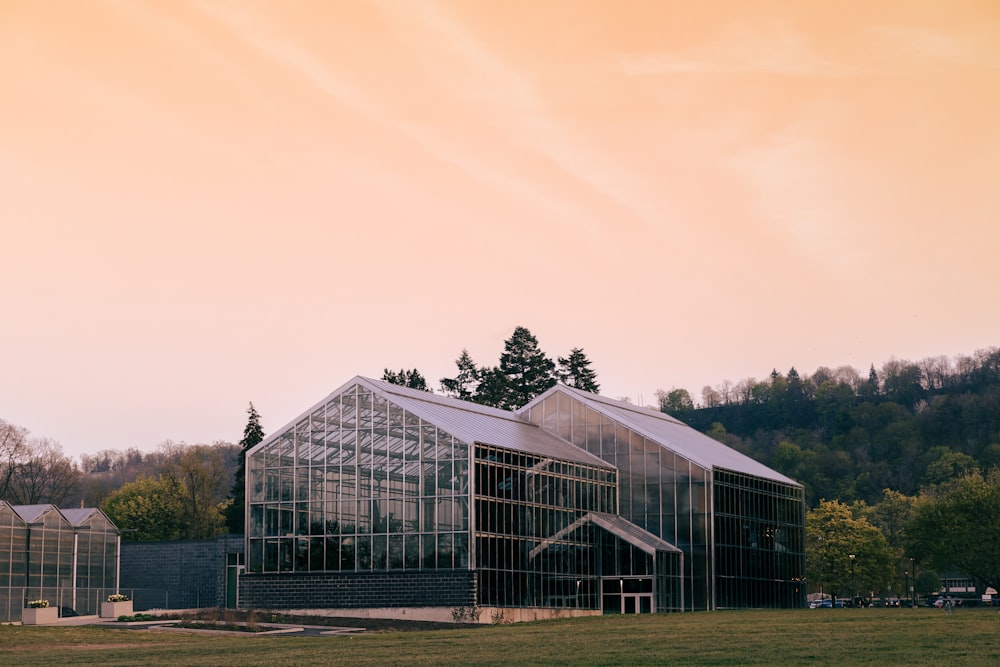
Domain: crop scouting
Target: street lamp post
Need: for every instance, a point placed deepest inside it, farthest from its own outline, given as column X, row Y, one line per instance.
column 913, row 569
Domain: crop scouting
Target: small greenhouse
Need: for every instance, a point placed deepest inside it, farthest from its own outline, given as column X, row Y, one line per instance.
column 67, row 557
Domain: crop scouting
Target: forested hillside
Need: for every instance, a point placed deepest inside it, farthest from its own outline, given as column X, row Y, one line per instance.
column 848, row 435
column 179, row 491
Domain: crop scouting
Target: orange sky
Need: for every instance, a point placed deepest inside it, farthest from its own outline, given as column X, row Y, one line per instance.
column 208, row 203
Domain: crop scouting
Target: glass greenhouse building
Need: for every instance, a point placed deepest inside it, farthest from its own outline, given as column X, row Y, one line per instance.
column 68, row 557
column 381, row 496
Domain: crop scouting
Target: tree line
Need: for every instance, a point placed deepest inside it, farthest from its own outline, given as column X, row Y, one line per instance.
column 848, row 436
column 899, row 466
column 524, row 371
column 902, row 545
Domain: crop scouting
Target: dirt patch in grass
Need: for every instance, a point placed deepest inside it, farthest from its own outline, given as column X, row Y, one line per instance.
column 75, row 647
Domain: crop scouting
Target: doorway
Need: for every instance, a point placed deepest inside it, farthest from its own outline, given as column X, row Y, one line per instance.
column 627, row 595
column 234, row 568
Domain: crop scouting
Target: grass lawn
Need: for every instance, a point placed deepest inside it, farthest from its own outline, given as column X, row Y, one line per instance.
column 815, row 636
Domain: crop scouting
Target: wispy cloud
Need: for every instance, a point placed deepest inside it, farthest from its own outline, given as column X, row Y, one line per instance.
column 774, row 49
column 779, row 49
column 522, row 110
column 934, row 45
column 803, row 197
column 326, row 77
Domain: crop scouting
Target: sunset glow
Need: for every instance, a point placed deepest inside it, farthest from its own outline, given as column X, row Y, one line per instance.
column 207, row 203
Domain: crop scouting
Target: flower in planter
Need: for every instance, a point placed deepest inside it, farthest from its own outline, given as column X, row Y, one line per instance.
column 117, row 597
column 38, row 604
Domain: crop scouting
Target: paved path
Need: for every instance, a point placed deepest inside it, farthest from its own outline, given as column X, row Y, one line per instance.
column 163, row 625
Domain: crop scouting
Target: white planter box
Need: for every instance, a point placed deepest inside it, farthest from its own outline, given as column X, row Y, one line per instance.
column 116, row 609
column 39, row 615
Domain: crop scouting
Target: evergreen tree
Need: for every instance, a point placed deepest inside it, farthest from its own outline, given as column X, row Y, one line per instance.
column 574, row 371
column 493, row 388
column 252, row 435
column 404, row 378
column 869, row 390
column 465, row 383
column 529, row 372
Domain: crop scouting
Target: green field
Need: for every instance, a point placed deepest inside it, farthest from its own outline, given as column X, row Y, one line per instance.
column 819, row 636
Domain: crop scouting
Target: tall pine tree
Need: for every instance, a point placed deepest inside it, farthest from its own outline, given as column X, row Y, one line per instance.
column 465, row 383
column 529, row 372
column 493, row 388
column 574, row 371
column 252, row 435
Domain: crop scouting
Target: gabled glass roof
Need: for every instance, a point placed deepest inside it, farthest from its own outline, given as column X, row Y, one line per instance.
column 81, row 515
column 669, row 432
column 631, row 533
column 31, row 513
column 616, row 525
column 470, row 422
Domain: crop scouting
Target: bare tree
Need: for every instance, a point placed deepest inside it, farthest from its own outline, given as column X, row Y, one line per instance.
column 34, row 470
column 45, row 476
column 935, row 371
column 744, row 391
column 850, row 376
column 725, row 389
column 13, row 449
column 710, row 398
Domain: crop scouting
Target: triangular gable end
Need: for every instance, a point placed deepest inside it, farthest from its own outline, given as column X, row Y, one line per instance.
column 664, row 430
column 89, row 515
column 291, row 425
column 35, row 514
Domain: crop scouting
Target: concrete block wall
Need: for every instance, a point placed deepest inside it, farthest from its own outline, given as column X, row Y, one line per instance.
column 177, row 575
column 318, row 590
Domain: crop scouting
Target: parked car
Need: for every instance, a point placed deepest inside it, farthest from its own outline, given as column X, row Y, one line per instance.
column 827, row 604
column 944, row 601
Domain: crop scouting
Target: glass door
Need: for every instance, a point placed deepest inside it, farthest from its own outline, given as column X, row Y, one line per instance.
column 627, row 596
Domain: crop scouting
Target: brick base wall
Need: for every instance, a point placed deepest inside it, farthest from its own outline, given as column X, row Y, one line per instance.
column 328, row 590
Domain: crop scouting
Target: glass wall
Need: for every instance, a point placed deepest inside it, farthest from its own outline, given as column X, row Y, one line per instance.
column 661, row 491
column 359, row 485
column 96, row 549
column 760, row 542
column 534, row 547
column 13, row 563
column 50, row 555
column 13, row 548
column 672, row 498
